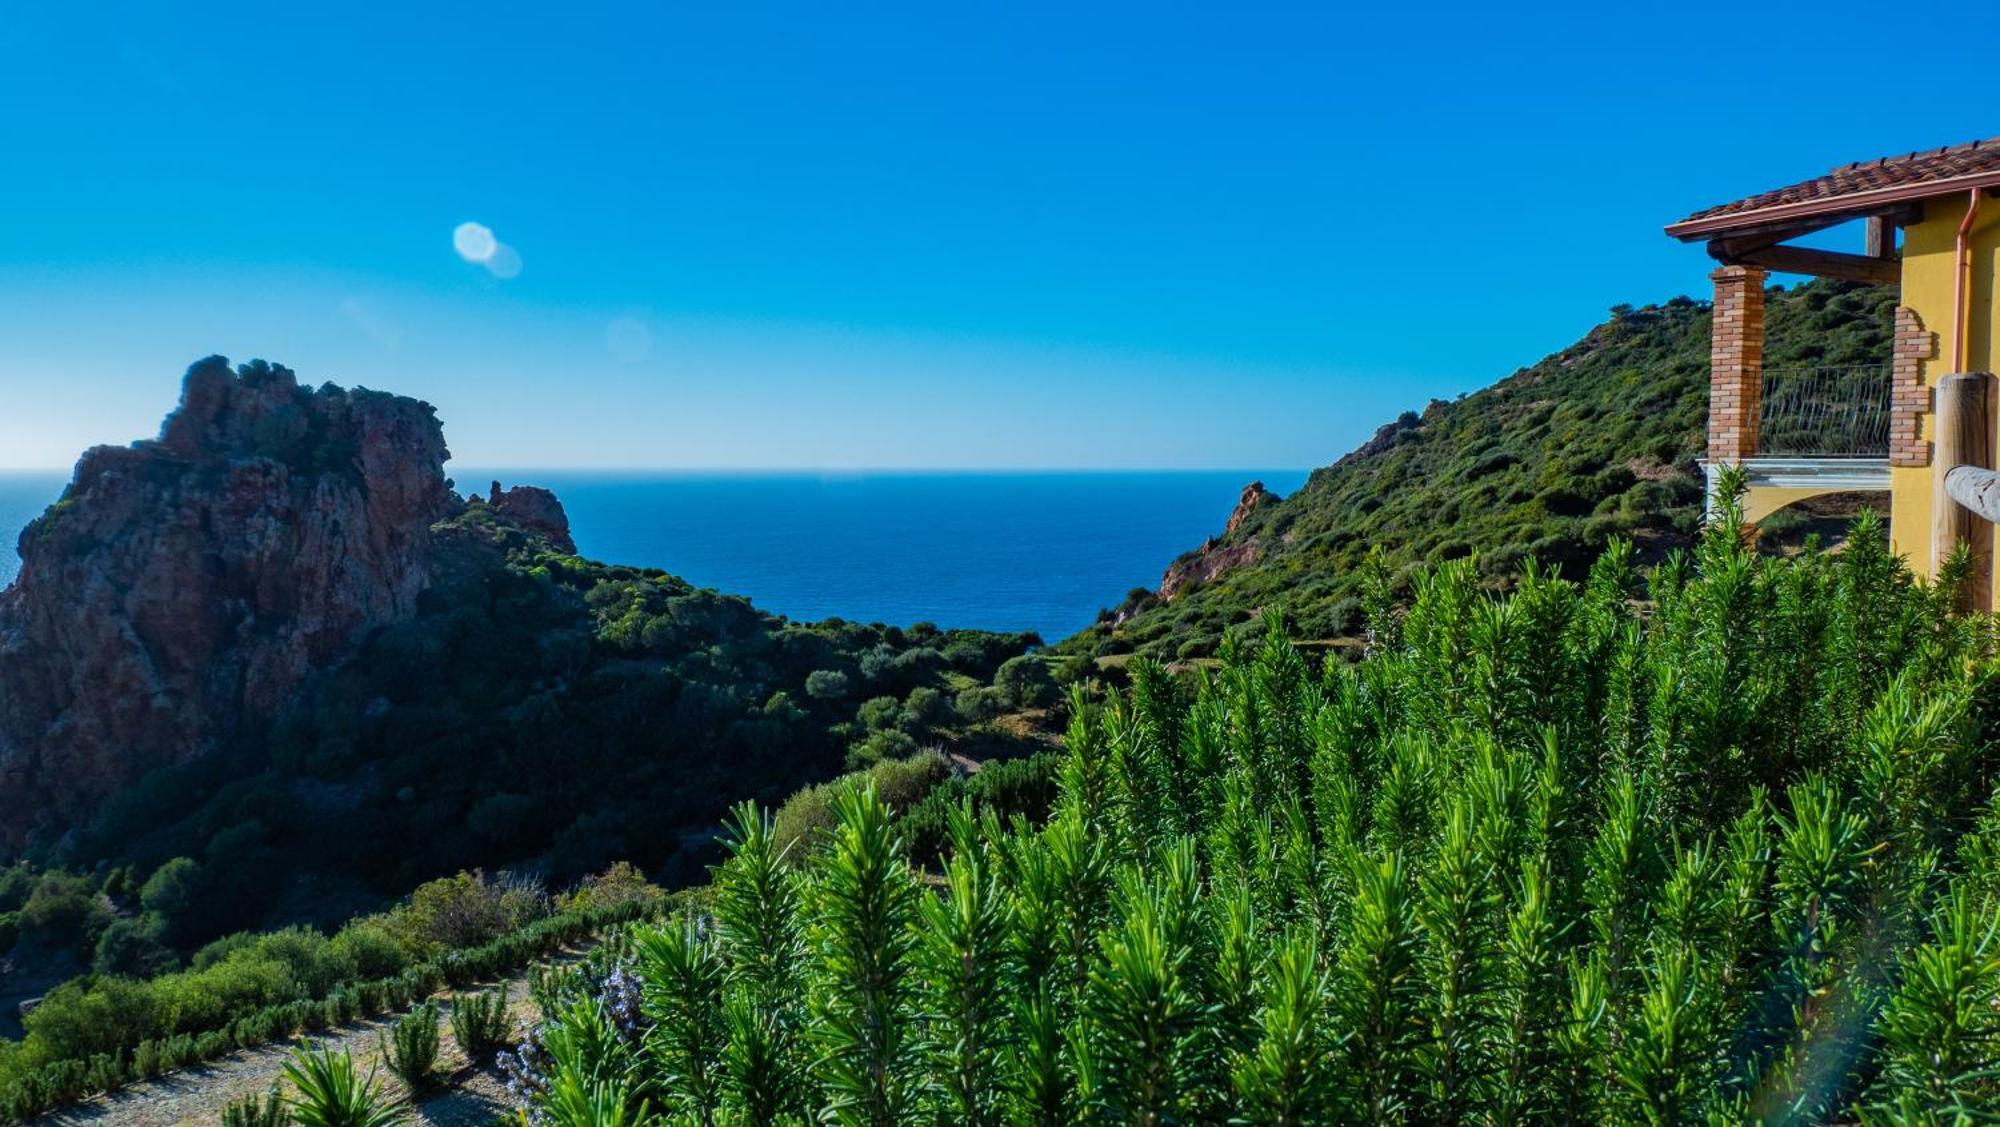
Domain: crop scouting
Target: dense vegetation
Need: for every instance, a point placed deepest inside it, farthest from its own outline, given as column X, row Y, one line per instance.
column 99, row 1031
column 542, row 711
column 1546, row 857
column 1596, row 442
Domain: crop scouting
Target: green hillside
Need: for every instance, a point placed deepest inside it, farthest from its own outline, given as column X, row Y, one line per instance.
column 1597, row 441
column 543, row 712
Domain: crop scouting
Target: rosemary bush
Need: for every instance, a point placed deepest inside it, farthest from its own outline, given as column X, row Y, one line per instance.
column 411, row 1046
column 1726, row 854
column 252, row 1111
column 479, row 1023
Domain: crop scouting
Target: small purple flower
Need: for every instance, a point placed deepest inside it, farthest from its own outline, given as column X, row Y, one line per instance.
column 621, row 994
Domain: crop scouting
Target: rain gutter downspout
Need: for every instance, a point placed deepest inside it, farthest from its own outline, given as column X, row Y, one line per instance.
column 1961, row 296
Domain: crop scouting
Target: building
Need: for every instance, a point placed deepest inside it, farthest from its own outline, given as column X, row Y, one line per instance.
column 1931, row 223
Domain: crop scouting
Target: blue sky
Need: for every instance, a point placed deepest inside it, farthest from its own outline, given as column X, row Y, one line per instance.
column 883, row 235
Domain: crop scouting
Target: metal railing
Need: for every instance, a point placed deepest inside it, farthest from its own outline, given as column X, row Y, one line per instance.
column 1825, row 412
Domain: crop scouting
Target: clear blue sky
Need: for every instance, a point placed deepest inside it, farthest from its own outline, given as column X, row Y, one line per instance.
column 1156, row 235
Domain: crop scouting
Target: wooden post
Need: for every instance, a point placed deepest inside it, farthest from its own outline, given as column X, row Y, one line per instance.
column 1964, row 438
column 1879, row 241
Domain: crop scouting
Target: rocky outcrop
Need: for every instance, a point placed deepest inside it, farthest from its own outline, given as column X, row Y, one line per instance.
column 184, row 588
column 1254, row 495
column 535, row 509
column 1220, row 554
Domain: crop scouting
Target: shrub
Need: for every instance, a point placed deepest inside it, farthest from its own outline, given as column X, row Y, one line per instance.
column 808, row 813
column 618, row 887
column 132, row 947
column 64, row 907
column 171, row 888
column 251, row 1111
column 1730, row 858
column 826, row 684
column 878, row 747
column 368, row 948
column 880, row 714
column 411, row 1045
column 1026, row 681
column 980, row 704
column 328, row 1092
column 465, row 910
column 480, row 1023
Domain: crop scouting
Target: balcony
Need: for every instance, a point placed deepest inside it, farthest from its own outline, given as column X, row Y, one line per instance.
column 1831, row 412
column 1819, row 430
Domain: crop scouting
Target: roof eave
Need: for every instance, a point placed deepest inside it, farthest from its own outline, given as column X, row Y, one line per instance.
column 1857, row 204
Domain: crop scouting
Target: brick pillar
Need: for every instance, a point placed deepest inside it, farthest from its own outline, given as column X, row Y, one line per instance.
column 1909, row 389
column 1736, row 363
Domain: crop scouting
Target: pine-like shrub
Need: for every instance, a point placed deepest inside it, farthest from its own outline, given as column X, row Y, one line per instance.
column 411, row 1046
column 253, row 1111
column 480, row 1023
column 1714, row 842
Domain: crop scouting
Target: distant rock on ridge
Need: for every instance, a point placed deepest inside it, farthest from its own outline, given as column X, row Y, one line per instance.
column 184, row 588
column 535, row 509
column 1219, row 554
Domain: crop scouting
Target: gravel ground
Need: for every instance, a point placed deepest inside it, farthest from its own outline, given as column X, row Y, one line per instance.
column 465, row 1096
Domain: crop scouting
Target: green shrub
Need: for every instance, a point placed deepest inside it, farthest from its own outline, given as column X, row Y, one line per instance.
column 411, row 1045
column 251, row 1111
column 247, row 991
column 480, row 1024
column 328, row 1092
column 620, row 887
column 65, row 907
column 980, row 704
column 1537, row 857
column 808, row 814
column 172, row 888
column 466, row 910
column 826, row 684
column 1026, row 681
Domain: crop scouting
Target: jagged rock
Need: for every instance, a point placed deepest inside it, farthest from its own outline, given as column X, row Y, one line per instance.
column 1219, row 554
column 184, row 588
column 535, row 509
column 1254, row 494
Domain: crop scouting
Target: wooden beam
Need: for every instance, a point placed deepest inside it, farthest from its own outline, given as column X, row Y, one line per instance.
column 1765, row 234
column 1805, row 260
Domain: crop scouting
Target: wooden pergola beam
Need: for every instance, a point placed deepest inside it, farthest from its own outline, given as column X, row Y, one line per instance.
column 1805, row 260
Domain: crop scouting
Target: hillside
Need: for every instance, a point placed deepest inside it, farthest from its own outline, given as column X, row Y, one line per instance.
column 1597, row 441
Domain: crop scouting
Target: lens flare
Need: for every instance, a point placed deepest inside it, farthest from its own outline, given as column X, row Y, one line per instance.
column 474, row 242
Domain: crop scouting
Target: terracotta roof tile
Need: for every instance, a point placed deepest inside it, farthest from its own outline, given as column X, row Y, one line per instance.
column 1912, row 170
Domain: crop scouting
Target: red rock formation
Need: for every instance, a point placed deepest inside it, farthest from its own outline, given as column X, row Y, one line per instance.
column 183, row 588
column 535, row 509
column 1219, row 554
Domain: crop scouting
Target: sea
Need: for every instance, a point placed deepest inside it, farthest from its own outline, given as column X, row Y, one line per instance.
column 1040, row 551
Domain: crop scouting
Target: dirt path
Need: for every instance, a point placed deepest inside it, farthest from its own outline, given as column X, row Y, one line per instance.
column 463, row 1096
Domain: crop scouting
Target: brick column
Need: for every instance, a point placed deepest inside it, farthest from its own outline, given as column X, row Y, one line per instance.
column 1909, row 389
column 1736, row 363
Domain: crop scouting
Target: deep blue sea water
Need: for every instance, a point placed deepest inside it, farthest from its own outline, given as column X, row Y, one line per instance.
column 1003, row 551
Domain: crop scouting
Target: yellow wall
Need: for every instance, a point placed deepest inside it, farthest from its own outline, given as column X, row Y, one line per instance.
column 1928, row 266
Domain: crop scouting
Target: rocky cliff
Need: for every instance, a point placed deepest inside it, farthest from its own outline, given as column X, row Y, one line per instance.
column 184, row 588
column 1219, row 555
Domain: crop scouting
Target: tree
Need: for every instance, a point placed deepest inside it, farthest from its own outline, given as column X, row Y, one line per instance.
column 1026, row 681
column 826, row 684
column 172, row 887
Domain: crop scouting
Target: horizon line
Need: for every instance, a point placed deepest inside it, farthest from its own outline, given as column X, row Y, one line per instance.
column 843, row 470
